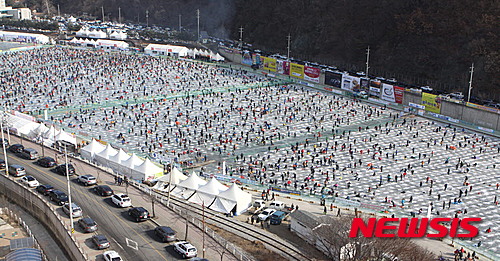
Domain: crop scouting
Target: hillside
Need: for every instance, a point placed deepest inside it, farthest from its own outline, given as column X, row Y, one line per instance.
column 416, row 41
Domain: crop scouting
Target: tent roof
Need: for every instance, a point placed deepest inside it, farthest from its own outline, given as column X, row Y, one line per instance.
column 177, row 177
column 148, row 168
column 62, row 135
column 107, row 152
column 132, row 162
column 120, row 156
column 94, row 147
column 192, row 182
column 213, row 187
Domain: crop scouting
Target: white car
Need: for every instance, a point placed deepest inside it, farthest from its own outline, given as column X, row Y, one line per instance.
column 111, row 256
column 185, row 249
column 266, row 214
column 77, row 211
column 87, row 180
column 29, row 181
column 121, row 200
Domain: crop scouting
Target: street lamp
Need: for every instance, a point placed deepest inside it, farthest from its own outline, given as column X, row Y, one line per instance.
column 69, row 189
column 3, row 145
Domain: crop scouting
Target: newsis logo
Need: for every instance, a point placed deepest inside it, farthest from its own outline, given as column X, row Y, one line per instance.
column 414, row 227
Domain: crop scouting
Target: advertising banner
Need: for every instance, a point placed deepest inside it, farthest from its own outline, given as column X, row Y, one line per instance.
column 481, row 107
column 431, row 102
column 312, row 74
column 350, row 83
column 375, row 88
column 355, row 84
column 297, row 70
column 256, row 58
column 333, row 79
column 247, row 58
column 364, row 84
column 269, row 64
column 283, row 67
column 398, row 94
column 388, row 93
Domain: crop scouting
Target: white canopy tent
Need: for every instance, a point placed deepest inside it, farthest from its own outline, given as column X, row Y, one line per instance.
column 232, row 199
column 147, row 170
column 187, row 187
column 64, row 136
column 38, row 131
column 88, row 152
column 128, row 165
column 206, row 194
column 116, row 160
column 162, row 182
column 102, row 158
column 20, row 125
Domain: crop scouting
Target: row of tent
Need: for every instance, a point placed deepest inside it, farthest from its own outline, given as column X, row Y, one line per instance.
column 212, row 194
column 181, row 51
column 39, row 132
column 121, row 162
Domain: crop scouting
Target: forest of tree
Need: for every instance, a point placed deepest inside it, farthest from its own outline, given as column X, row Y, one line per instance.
column 420, row 42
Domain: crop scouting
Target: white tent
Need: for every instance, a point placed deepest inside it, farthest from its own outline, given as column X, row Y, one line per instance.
column 166, row 49
column 88, row 152
column 20, row 125
column 162, row 182
column 206, row 194
column 116, row 160
column 102, row 158
column 187, row 187
column 128, row 166
column 64, row 136
column 147, row 170
column 38, row 131
column 233, row 198
column 218, row 57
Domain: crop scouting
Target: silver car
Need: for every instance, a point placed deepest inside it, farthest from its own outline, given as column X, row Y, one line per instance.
column 77, row 211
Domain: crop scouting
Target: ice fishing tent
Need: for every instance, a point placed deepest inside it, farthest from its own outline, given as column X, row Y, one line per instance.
column 147, row 170
column 232, row 200
column 206, row 194
column 102, row 158
column 116, row 160
column 162, row 182
column 88, row 152
column 187, row 187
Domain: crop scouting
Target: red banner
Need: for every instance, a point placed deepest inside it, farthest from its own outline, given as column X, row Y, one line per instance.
column 311, row 74
column 399, row 93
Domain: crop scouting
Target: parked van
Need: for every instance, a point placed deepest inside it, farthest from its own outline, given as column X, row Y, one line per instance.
column 259, row 203
column 277, row 205
column 29, row 153
column 17, row 170
column 277, row 217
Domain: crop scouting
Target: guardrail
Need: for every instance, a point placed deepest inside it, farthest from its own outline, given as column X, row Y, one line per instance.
column 44, row 212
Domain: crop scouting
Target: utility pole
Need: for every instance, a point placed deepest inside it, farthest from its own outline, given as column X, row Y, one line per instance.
column 288, row 47
column 147, row 18
column 69, row 189
column 198, row 18
column 102, row 10
column 470, row 81
column 119, row 15
column 3, row 145
column 47, row 5
column 367, row 60
column 203, row 206
column 58, row 11
column 241, row 37
column 180, row 20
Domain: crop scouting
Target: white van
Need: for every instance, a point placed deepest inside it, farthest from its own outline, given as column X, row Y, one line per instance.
column 278, row 205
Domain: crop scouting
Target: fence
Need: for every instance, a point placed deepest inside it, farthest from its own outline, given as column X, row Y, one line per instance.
column 44, row 212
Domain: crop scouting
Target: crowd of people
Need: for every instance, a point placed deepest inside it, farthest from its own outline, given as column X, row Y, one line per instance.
column 268, row 133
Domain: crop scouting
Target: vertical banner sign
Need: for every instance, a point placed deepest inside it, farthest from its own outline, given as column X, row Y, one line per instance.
column 269, row 64
column 355, row 83
column 399, row 94
column 311, row 74
column 333, row 79
column 286, row 68
column 297, row 70
column 388, row 93
column 375, row 88
column 256, row 58
column 431, row 102
column 364, row 84
column 247, row 58
column 347, row 82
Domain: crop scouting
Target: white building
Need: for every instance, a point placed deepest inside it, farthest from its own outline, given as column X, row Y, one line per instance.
column 165, row 49
column 16, row 14
column 24, row 37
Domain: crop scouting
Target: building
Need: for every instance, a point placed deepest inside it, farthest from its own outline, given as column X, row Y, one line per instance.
column 165, row 49
column 24, row 37
column 15, row 14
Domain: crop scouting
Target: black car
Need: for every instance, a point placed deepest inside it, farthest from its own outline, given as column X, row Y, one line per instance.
column 61, row 169
column 58, row 196
column 103, row 190
column 44, row 189
column 2, row 164
column 46, row 162
column 165, row 234
column 16, row 148
column 139, row 214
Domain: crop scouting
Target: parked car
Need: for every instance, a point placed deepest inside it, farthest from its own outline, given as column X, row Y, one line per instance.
column 277, row 205
column 87, row 180
column 16, row 148
column 266, row 214
column 121, row 200
column 61, row 169
column 185, row 249
column 100, row 241
column 4, row 142
column 139, row 214
column 46, row 162
column 165, row 234
column 44, row 189
column 103, row 190
column 77, row 211
column 87, row 224
column 29, row 181
column 17, row 170
column 111, row 256
column 58, row 197
column 277, row 217
column 2, row 164
column 29, row 153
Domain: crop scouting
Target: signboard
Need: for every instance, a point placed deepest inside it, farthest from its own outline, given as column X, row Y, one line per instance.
column 247, row 58
column 388, row 93
column 481, row 107
column 311, row 74
column 375, row 88
column 286, row 191
column 283, row 67
column 347, row 82
column 269, row 64
column 333, row 79
column 364, row 84
column 431, row 102
column 399, row 94
column 297, row 70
